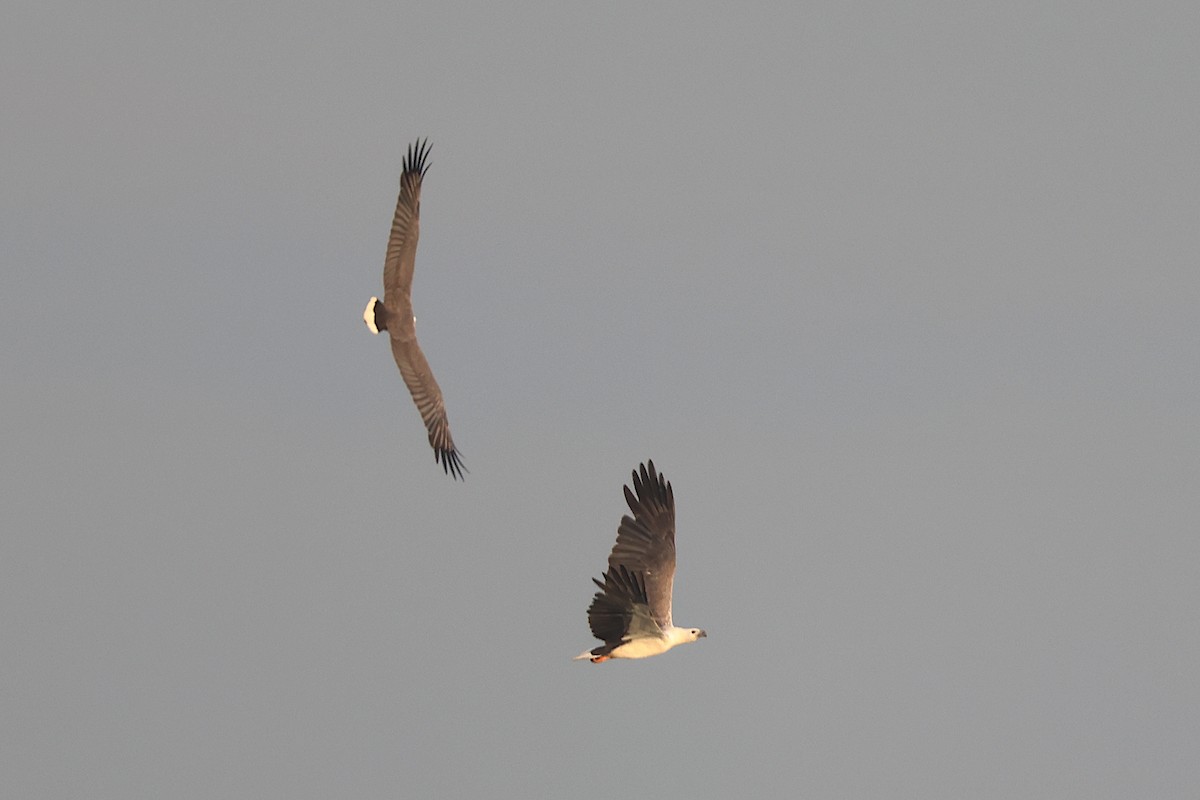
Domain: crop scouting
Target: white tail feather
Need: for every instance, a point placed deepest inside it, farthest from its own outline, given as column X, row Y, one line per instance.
column 369, row 315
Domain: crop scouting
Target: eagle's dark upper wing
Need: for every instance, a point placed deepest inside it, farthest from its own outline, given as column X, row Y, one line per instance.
column 646, row 541
column 406, row 229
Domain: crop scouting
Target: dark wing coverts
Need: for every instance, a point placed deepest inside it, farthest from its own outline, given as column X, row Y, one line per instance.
column 611, row 613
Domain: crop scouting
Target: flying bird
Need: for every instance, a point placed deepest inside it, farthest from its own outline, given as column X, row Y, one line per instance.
column 395, row 313
column 631, row 613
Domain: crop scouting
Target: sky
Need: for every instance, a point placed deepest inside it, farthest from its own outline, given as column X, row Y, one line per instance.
column 901, row 298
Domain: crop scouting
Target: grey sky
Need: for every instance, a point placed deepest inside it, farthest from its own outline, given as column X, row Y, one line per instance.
column 902, row 298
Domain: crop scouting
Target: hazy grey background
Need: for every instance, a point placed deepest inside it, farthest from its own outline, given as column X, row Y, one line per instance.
column 901, row 297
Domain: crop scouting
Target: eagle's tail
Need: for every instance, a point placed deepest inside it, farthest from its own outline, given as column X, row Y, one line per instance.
column 374, row 316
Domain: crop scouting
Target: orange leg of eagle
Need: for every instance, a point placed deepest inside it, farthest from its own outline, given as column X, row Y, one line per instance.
column 598, row 659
